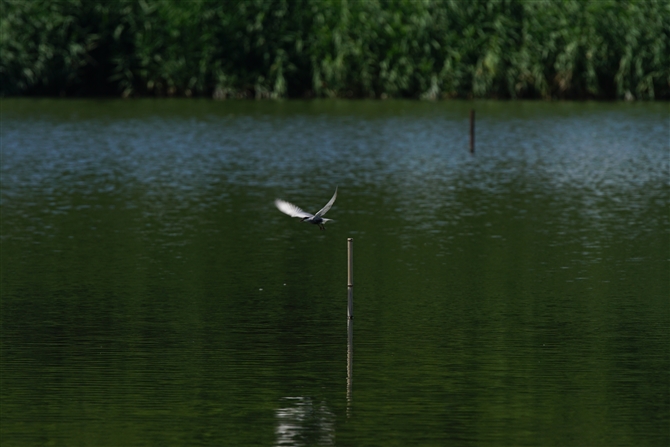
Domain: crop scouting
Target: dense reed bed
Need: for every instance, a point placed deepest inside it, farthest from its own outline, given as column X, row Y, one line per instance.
column 337, row 48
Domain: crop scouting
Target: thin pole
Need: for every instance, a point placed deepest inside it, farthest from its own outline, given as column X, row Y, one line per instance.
column 350, row 321
column 350, row 264
column 350, row 278
column 472, row 131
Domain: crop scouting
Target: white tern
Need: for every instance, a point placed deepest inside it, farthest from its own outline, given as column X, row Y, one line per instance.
column 294, row 211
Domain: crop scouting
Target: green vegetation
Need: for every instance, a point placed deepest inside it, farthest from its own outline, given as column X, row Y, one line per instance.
column 337, row 48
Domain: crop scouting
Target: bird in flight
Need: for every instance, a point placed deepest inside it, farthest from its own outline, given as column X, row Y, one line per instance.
column 294, row 211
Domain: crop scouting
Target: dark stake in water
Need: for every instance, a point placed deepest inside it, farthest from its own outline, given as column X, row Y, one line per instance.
column 152, row 294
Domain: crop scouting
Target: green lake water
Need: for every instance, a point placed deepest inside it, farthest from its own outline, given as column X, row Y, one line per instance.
column 151, row 293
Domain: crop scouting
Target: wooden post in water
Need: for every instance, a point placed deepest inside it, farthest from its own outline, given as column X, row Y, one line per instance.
column 472, row 131
column 350, row 277
column 350, row 321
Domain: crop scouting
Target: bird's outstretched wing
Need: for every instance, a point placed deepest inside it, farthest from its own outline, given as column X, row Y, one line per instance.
column 325, row 209
column 291, row 209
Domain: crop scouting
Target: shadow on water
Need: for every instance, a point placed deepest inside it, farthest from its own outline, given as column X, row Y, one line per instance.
column 153, row 295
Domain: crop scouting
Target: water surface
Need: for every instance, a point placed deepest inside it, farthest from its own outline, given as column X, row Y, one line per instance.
column 153, row 295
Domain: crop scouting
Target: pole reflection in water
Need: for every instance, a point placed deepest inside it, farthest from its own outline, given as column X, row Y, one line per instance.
column 301, row 422
column 350, row 352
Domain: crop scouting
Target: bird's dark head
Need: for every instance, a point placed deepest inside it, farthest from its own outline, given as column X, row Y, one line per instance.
column 304, row 219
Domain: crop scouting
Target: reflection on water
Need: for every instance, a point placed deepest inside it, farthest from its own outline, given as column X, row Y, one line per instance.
column 350, row 359
column 153, row 295
column 302, row 422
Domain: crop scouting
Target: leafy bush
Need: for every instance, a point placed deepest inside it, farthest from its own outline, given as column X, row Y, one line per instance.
column 337, row 48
